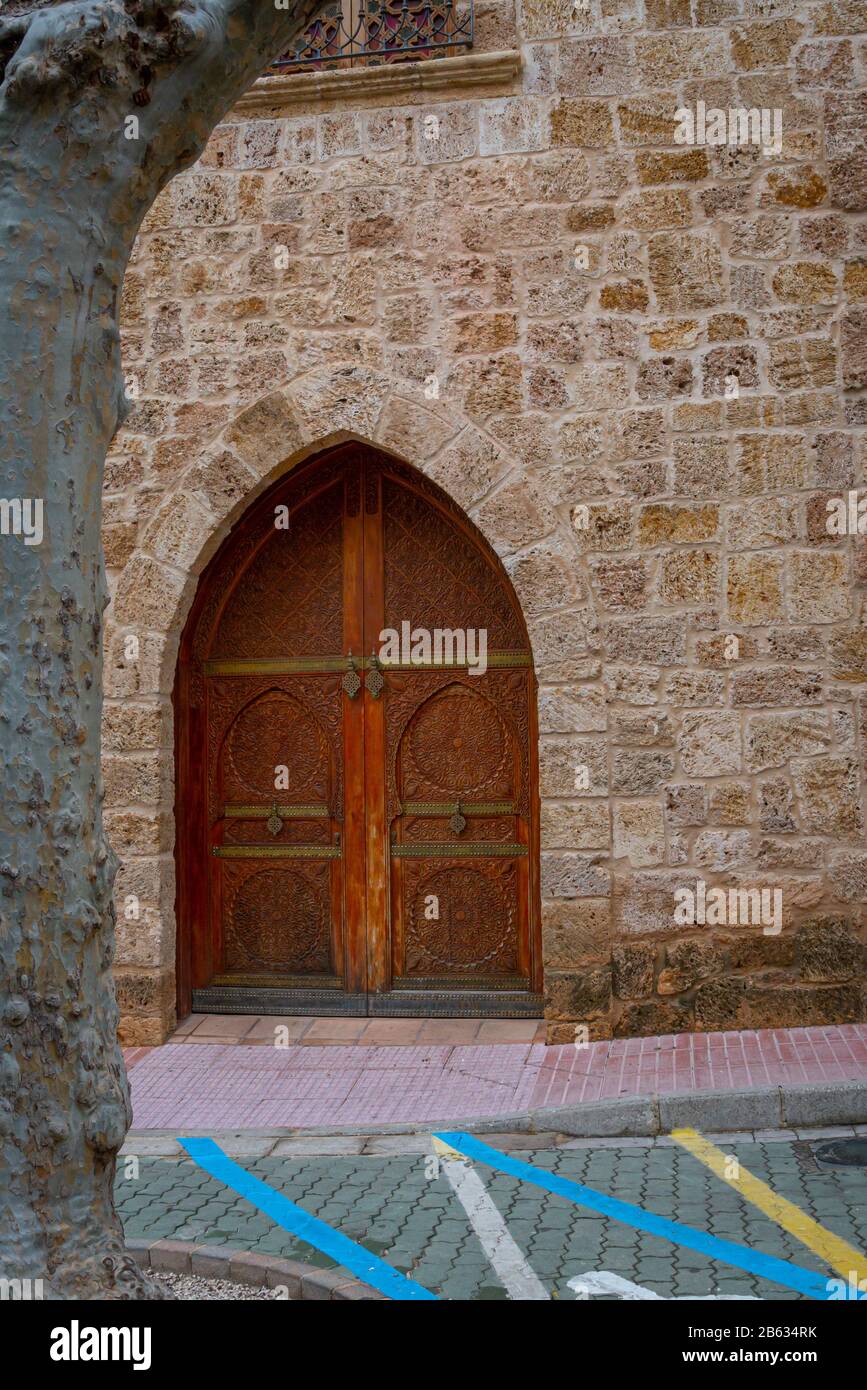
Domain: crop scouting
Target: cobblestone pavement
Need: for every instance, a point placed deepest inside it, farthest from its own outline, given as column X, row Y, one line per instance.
column 400, row 1208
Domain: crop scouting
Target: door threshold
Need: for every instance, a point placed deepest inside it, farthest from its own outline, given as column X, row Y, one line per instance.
column 458, row 1003
column 330, row 1003
column 242, row 999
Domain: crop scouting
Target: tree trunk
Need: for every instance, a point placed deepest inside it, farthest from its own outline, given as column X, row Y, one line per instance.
column 73, row 190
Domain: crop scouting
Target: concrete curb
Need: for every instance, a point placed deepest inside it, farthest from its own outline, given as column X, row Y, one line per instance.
column 303, row 1281
column 649, row 1116
column 759, row 1108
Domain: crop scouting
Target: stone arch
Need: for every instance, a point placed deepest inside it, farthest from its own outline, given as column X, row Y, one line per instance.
column 154, row 592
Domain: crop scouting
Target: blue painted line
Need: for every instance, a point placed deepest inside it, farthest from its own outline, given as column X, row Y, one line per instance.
column 301, row 1223
column 753, row 1261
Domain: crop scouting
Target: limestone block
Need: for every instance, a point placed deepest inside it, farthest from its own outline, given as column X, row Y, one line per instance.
column 730, row 803
column 265, row 433
column 575, row 930
column 567, row 710
column 772, row 740
column 620, row 584
column 586, row 124
column 602, row 526
column 515, row 516
column 819, row 586
column 513, row 124
column 722, row 849
column 579, row 826
column 562, row 644
column 570, row 767
column 710, row 744
column 664, row 523
column 776, row 686
column 349, row 398
column 686, row 963
column 828, row 949
column 689, row 577
column 468, row 466
column 686, row 270
column 573, row 876
column 829, row 795
column 639, row 833
column 635, row 772
column 632, row 969
column 414, row 431
column 684, row 688
column 805, row 282
column 633, row 684
column 447, row 132
column 577, row 995
column 754, row 589
column 765, row 45
column 656, row 639
column 686, row 803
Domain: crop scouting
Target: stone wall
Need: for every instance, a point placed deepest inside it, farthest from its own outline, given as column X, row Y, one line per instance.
column 640, row 365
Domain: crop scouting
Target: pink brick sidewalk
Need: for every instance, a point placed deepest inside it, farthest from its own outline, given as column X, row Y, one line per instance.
column 226, row 1086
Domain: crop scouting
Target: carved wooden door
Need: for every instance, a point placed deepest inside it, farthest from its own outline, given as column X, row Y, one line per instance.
column 271, row 760
column 357, row 831
column 450, row 785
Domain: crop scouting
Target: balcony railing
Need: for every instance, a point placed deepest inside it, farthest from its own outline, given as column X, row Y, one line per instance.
column 351, row 33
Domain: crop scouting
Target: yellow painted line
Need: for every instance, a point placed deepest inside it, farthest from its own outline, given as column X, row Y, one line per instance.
column 835, row 1251
column 444, row 1150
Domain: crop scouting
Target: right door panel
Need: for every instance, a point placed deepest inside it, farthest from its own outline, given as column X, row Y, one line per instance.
column 458, row 784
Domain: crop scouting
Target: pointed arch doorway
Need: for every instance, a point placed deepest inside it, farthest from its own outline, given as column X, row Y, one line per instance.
column 357, row 801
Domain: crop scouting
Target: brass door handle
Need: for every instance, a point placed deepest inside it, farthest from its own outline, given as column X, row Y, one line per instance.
column 351, row 680
column 375, row 680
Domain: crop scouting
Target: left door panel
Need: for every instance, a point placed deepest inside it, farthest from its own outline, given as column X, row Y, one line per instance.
column 276, row 891
column 278, row 738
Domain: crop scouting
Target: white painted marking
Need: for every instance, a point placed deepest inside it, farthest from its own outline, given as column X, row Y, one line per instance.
column 597, row 1282
column 509, row 1264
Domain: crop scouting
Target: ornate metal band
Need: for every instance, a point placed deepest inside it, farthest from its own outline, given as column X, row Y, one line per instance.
column 280, row 666
column 276, row 851
column 274, row 666
column 450, row 849
column 265, row 812
column 471, row 808
column 494, row 659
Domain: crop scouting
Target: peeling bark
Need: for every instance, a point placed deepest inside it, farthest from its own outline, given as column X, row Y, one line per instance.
column 73, row 192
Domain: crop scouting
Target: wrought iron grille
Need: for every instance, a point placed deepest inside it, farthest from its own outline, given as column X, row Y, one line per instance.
column 371, row 32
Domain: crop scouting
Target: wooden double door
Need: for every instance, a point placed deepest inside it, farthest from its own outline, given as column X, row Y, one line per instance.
column 356, row 759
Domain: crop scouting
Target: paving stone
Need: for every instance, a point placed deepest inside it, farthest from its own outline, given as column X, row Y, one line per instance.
column 419, row 1226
